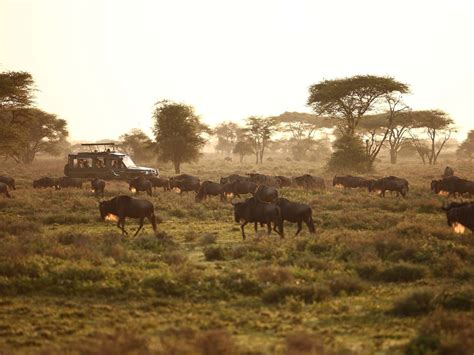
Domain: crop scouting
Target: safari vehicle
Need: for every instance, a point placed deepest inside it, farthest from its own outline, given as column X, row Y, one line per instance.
column 103, row 161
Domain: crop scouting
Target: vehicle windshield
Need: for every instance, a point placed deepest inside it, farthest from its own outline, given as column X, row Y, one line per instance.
column 128, row 162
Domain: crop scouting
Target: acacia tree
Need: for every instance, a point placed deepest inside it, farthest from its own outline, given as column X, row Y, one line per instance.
column 39, row 131
column 226, row 133
column 259, row 131
column 178, row 132
column 466, row 149
column 137, row 144
column 398, row 134
column 437, row 126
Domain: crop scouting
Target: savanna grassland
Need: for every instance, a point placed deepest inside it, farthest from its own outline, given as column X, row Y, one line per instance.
column 382, row 275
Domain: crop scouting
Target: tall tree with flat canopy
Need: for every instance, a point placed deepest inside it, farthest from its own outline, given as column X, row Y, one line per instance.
column 226, row 133
column 437, row 126
column 178, row 132
column 348, row 100
column 260, row 130
column 137, row 144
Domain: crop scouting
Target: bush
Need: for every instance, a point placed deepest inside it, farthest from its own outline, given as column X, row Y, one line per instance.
column 348, row 285
column 215, row 342
column 414, row 304
column 274, row 274
column 402, row 273
column 306, row 293
column 348, row 156
column 302, row 343
column 208, row 238
column 241, row 283
column 461, row 301
column 214, row 253
column 164, row 284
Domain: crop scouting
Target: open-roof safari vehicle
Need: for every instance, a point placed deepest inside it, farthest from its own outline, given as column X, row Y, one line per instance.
column 105, row 162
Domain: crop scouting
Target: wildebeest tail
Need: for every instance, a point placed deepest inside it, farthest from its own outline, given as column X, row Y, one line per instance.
column 153, row 220
column 311, row 227
column 280, row 222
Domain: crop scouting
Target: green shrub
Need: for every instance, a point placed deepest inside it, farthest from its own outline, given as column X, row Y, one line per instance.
column 163, row 284
column 212, row 253
column 402, row 273
column 460, row 301
column 274, row 274
column 241, row 283
column 348, row 285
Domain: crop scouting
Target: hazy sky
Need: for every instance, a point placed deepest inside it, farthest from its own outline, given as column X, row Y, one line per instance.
column 102, row 64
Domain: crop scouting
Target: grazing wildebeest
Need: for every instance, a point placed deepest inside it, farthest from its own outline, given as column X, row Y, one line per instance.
column 296, row 213
column 240, row 187
column 390, row 183
column 70, row 182
column 232, row 178
column 262, row 179
column 453, row 185
column 210, row 188
column 98, row 186
column 46, row 182
column 283, row 181
column 252, row 211
column 309, row 182
column 160, row 182
column 126, row 206
column 9, row 181
column 460, row 216
column 347, row 181
column 265, row 193
column 140, row 183
column 448, row 171
column 185, row 183
column 366, row 183
column 4, row 189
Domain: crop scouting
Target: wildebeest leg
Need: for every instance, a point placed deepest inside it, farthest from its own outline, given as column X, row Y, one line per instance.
column 382, row 194
column 269, row 228
column 121, row 225
column 242, row 229
column 149, row 192
column 300, row 227
column 152, row 220
column 139, row 227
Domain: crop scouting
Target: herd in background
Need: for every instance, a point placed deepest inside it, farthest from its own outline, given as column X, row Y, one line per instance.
column 265, row 207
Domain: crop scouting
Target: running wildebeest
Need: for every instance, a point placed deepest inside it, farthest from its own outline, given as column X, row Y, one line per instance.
column 4, row 189
column 460, row 216
column 252, row 211
column 9, row 181
column 283, row 181
column 185, row 183
column 160, row 182
column 296, row 213
column 390, row 183
column 448, row 171
column 453, row 185
column 140, row 183
column 98, row 186
column 210, row 188
column 65, row 182
column 309, row 182
column 265, row 193
column 126, row 206
column 46, row 182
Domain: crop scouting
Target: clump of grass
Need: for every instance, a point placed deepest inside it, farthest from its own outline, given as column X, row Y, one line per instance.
column 274, row 274
column 190, row 236
column 212, row 253
column 208, row 238
column 402, row 272
column 164, row 284
column 414, row 304
column 306, row 293
column 175, row 258
column 241, row 283
column 460, row 301
column 448, row 265
column 302, row 343
column 346, row 285
column 18, row 227
column 443, row 333
column 215, row 342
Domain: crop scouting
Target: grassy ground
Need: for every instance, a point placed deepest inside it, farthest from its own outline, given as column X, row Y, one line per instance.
column 381, row 275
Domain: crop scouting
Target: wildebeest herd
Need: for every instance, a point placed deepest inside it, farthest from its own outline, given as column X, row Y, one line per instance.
column 264, row 207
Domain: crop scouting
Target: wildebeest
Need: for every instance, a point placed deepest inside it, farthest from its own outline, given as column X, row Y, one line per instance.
column 232, row 178
column 296, row 213
column 309, row 182
column 283, row 181
column 240, row 187
column 140, row 183
column 265, row 193
column 160, row 182
column 4, row 189
column 348, row 181
column 453, row 185
column 390, row 183
column 9, row 181
column 126, row 206
column 448, row 171
column 210, row 188
column 252, row 211
column 185, row 183
column 262, row 179
column 66, row 181
column 460, row 216
column 46, row 182
column 98, row 186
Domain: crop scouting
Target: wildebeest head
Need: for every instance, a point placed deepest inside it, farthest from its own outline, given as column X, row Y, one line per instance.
column 434, row 184
column 105, row 209
column 336, row 181
column 239, row 210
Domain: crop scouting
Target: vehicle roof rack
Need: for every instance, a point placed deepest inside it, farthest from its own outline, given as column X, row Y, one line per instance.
column 98, row 147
